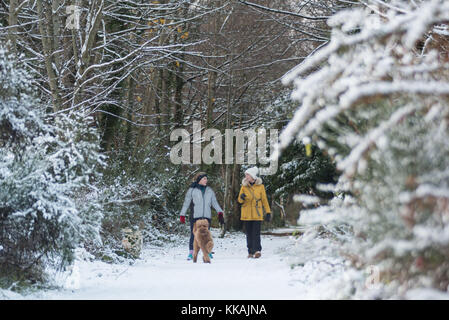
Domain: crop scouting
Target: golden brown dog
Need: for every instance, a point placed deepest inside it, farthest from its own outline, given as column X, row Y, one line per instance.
column 202, row 240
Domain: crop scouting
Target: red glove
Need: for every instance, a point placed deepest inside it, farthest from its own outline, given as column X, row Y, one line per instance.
column 182, row 219
column 220, row 218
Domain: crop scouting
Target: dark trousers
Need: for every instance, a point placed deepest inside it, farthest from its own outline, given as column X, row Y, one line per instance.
column 192, row 222
column 252, row 229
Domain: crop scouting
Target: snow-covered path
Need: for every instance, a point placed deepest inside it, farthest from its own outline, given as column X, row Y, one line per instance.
column 305, row 267
column 164, row 273
column 291, row 268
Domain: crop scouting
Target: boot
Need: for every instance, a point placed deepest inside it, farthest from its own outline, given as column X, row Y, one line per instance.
column 257, row 254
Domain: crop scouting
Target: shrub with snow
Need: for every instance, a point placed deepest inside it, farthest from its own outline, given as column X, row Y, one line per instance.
column 139, row 192
column 43, row 163
column 298, row 172
column 376, row 97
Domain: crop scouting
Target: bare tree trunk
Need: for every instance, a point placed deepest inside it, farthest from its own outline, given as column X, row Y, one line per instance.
column 48, row 52
column 56, row 31
column 179, row 82
column 211, row 85
column 149, row 107
column 94, row 19
column 12, row 31
column 157, row 101
column 228, row 172
column 130, row 107
column 165, row 103
column 235, row 189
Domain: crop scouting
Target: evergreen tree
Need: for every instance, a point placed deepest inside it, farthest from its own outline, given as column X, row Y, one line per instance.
column 300, row 173
column 376, row 98
column 42, row 166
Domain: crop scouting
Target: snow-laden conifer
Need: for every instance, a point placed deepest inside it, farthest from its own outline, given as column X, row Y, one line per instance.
column 376, row 97
column 44, row 162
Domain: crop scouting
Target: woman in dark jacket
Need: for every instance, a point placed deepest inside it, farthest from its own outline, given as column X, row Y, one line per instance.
column 200, row 198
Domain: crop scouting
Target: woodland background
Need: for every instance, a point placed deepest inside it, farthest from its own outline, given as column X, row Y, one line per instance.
column 92, row 89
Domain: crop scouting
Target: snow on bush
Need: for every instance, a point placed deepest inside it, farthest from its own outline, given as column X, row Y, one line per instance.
column 376, row 97
column 43, row 163
column 142, row 193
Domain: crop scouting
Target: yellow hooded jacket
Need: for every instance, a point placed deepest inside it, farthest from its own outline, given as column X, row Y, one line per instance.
column 259, row 199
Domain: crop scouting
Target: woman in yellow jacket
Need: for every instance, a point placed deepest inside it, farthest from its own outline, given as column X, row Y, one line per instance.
column 254, row 201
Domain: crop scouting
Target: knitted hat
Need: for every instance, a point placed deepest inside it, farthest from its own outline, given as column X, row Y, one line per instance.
column 200, row 175
column 253, row 172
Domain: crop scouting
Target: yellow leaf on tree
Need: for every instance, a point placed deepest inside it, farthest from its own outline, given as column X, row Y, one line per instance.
column 185, row 35
column 308, row 149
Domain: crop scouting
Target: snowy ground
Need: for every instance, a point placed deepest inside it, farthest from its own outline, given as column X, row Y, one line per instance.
column 290, row 268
